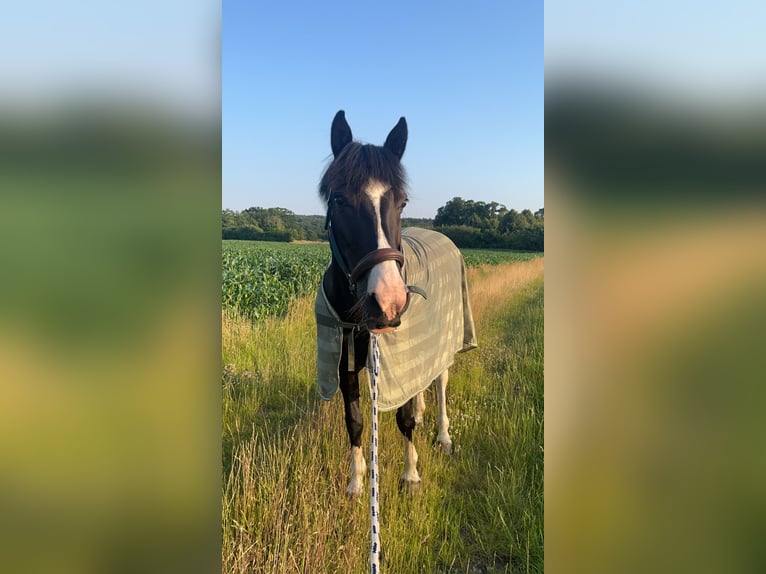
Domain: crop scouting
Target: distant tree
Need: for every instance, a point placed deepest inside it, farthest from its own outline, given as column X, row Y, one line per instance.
column 252, row 217
column 512, row 221
column 529, row 218
column 311, row 227
column 498, row 210
column 229, row 219
column 478, row 214
column 454, row 212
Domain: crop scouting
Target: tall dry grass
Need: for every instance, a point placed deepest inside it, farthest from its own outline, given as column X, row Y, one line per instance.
column 492, row 285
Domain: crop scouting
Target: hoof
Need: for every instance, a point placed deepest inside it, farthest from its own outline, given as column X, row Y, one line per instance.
column 353, row 497
column 353, row 494
column 446, row 447
column 409, row 486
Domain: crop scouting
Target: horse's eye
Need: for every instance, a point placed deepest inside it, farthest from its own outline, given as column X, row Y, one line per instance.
column 403, row 204
column 339, row 200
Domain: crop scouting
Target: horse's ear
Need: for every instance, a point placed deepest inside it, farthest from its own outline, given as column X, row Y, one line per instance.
column 397, row 139
column 340, row 134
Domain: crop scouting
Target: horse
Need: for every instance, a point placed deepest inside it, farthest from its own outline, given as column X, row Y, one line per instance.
column 364, row 290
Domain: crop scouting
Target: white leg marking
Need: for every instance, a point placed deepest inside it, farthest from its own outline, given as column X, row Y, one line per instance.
column 358, row 470
column 385, row 280
column 410, row 475
column 420, row 407
column 443, row 437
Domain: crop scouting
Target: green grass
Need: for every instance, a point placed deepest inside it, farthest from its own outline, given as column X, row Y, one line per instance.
column 285, row 455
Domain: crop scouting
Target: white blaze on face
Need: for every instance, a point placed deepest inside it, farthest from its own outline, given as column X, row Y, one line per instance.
column 385, row 281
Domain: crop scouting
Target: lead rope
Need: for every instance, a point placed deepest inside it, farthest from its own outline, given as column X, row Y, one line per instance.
column 374, row 480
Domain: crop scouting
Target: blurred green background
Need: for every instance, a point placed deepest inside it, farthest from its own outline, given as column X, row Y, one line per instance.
column 110, row 254
column 109, row 274
column 655, row 143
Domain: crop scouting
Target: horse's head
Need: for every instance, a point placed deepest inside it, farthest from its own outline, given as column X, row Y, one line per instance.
column 365, row 191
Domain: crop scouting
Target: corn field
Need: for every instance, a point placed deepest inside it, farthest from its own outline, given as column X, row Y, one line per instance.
column 260, row 278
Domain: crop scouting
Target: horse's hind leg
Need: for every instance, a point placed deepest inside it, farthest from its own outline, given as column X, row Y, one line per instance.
column 405, row 420
column 443, row 437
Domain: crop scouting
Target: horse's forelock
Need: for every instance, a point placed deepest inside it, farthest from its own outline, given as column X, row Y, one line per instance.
column 357, row 164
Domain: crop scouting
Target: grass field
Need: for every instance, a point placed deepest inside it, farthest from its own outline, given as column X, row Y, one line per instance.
column 286, row 455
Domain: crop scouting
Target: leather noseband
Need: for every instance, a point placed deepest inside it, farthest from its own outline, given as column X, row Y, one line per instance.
column 373, row 258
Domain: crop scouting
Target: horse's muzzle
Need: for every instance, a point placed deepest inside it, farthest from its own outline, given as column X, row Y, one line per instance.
column 379, row 327
column 382, row 331
column 377, row 321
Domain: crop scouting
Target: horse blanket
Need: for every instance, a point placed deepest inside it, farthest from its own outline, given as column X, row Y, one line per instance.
column 431, row 332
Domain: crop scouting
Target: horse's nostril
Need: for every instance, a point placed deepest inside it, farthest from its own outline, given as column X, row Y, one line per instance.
column 373, row 300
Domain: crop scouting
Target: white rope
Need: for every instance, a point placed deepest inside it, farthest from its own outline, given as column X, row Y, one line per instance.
column 374, row 480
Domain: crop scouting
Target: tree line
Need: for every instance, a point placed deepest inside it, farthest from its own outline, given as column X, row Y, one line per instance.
column 472, row 224
column 490, row 225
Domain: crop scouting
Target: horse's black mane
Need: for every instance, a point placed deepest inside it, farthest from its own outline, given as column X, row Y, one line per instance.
column 357, row 163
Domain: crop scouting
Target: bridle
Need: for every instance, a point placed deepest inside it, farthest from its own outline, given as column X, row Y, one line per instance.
column 367, row 262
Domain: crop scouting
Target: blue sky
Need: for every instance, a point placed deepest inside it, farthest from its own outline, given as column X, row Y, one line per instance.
column 467, row 76
column 710, row 52
column 163, row 51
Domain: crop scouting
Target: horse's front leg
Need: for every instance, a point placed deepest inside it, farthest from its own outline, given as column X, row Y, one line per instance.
column 443, row 437
column 420, row 407
column 349, row 387
column 405, row 420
